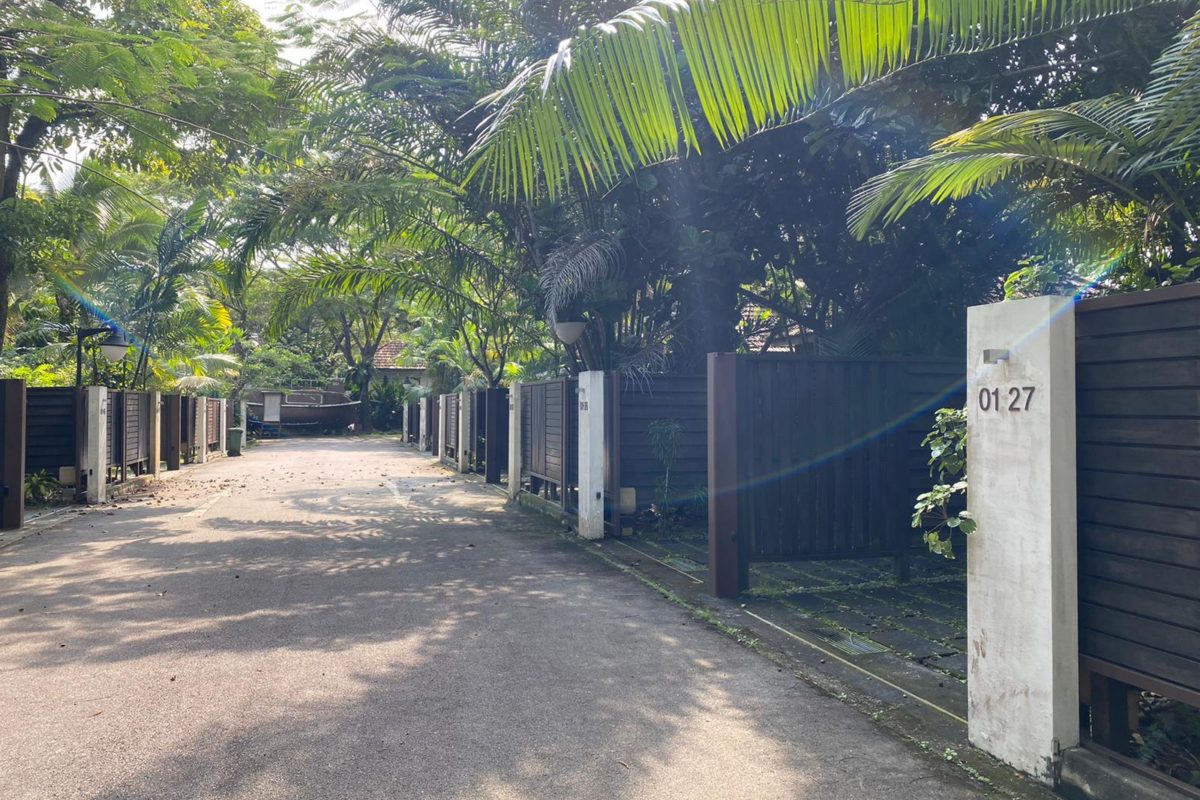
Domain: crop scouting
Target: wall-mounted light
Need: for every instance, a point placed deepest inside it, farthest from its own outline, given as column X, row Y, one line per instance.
column 995, row 356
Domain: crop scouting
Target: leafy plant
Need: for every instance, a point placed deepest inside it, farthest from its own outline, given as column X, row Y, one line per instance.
column 664, row 440
column 41, row 489
column 1168, row 737
column 934, row 511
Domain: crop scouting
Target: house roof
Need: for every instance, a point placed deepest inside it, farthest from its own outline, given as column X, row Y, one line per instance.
column 390, row 356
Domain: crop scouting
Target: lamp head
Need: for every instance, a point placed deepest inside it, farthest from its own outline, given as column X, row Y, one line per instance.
column 114, row 346
column 569, row 332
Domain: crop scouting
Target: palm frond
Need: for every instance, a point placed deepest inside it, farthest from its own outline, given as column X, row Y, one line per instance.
column 578, row 266
column 622, row 93
column 1034, row 144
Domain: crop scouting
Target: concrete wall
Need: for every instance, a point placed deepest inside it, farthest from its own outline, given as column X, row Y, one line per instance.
column 1022, row 608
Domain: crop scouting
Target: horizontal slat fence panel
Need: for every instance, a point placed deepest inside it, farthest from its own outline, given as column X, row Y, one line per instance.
column 642, row 402
column 136, row 428
column 1138, row 412
column 549, row 434
column 50, row 429
column 827, row 454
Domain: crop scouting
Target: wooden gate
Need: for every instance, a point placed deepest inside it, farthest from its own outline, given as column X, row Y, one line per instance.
column 549, row 435
column 817, row 458
column 52, row 430
column 412, row 426
column 1138, row 418
column 212, row 424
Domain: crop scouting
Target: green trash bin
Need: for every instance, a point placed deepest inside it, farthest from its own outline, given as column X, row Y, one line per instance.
column 234, row 440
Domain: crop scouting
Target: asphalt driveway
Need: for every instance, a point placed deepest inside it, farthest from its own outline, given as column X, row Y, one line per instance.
column 341, row 618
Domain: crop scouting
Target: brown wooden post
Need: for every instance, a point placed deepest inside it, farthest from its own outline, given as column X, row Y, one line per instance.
column 173, row 422
column 1111, row 719
column 728, row 570
column 12, row 432
column 612, row 453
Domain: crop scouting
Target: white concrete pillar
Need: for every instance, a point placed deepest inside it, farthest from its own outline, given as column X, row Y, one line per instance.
column 155, row 433
column 591, row 455
column 1022, row 605
column 223, row 446
column 404, row 422
column 95, row 455
column 423, row 428
column 514, row 440
column 464, row 428
column 201, row 430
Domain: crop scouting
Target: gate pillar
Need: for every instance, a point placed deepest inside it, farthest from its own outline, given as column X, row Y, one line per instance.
column 1022, row 607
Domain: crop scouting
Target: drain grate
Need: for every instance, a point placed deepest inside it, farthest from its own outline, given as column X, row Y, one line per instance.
column 847, row 642
column 683, row 564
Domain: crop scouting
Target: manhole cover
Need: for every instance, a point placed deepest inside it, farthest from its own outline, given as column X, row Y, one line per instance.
column 848, row 642
column 684, row 564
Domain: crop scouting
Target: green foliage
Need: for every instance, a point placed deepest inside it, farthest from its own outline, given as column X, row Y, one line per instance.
column 933, row 512
column 624, row 93
column 41, row 489
column 274, row 366
column 1110, row 182
column 664, row 440
column 1168, row 738
column 387, row 405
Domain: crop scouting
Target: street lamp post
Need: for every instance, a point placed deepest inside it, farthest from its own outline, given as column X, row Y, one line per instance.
column 114, row 347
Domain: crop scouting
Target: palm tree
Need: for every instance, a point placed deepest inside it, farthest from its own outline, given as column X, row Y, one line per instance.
column 644, row 86
column 1118, row 169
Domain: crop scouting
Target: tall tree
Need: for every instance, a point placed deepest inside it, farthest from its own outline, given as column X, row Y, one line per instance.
column 184, row 85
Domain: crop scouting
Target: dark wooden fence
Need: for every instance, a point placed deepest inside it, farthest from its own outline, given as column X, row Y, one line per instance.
column 412, row 422
column 814, row 458
column 489, row 433
column 636, row 475
column 12, row 453
column 549, row 440
column 450, row 407
column 53, row 426
column 129, row 429
column 1138, row 417
column 429, row 410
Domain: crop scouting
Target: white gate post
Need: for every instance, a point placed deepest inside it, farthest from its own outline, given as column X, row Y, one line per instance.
column 423, row 424
column 201, row 430
column 591, row 454
column 1022, row 602
column 223, row 427
column 95, row 459
column 155, row 450
column 514, row 440
column 464, row 428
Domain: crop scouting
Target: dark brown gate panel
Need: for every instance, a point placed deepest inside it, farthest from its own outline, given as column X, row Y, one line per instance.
column 495, row 445
column 824, row 459
column 50, row 429
column 1138, row 396
column 549, row 430
column 136, row 430
column 12, row 446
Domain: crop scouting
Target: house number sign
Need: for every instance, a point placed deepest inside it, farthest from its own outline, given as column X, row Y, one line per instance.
column 1013, row 398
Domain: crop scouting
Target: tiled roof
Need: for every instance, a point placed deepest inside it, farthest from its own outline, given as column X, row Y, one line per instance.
column 390, row 356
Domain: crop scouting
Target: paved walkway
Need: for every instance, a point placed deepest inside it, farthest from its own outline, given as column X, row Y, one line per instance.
column 340, row 618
